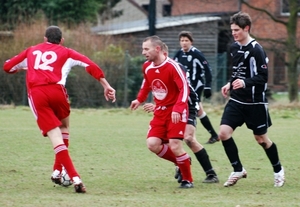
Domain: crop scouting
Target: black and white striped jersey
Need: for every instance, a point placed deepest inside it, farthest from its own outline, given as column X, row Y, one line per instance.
column 193, row 99
column 198, row 69
column 249, row 63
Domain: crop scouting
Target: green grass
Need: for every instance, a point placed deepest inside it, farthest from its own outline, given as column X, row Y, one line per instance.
column 108, row 149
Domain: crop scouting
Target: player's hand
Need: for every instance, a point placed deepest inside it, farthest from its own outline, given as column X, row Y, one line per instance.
column 110, row 94
column 207, row 92
column 238, row 83
column 175, row 117
column 225, row 90
column 149, row 107
column 134, row 104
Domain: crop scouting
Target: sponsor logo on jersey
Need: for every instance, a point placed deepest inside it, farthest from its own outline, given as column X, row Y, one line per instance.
column 264, row 66
column 246, row 54
column 159, row 89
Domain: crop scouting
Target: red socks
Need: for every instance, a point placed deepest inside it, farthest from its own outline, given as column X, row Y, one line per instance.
column 57, row 165
column 167, row 154
column 66, row 139
column 182, row 161
column 184, row 164
column 63, row 157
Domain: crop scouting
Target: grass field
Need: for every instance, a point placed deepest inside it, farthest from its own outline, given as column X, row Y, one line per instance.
column 108, row 148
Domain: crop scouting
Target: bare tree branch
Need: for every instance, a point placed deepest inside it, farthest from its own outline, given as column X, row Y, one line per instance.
column 264, row 11
column 276, row 41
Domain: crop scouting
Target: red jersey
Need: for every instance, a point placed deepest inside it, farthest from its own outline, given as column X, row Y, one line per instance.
column 49, row 63
column 168, row 84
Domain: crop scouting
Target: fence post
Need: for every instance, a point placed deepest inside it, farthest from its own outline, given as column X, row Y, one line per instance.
column 125, row 101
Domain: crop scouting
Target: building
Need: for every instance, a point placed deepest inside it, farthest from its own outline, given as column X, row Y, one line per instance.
column 209, row 22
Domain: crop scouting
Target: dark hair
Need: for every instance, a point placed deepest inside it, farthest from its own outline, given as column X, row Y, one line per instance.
column 187, row 34
column 53, row 34
column 241, row 19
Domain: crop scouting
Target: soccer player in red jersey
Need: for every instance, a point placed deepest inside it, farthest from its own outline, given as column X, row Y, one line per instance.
column 47, row 66
column 164, row 77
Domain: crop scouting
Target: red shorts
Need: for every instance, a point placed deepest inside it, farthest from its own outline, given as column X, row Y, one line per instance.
column 161, row 126
column 49, row 104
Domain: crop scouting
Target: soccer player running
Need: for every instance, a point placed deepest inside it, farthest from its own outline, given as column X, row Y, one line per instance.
column 164, row 77
column 47, row 66
column 190, row 135
column 247, row 102
column 197, row 68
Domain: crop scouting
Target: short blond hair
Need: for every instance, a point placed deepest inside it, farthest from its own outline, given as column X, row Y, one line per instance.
column 155, row 40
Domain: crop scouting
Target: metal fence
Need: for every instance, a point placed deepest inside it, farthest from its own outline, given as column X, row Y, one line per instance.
column 126, row 78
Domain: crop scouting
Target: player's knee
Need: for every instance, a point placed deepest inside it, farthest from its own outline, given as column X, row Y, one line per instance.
column 223, row 136
column 153, row 148
column 175, row 146
column 263, row 144
column 188, row 141
column 188, row 137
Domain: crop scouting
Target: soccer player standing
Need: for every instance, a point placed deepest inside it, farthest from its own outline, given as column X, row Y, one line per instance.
column 199, row 75
column 247, row 103
column 47, row 66
column 164, row 77
column 190, row 134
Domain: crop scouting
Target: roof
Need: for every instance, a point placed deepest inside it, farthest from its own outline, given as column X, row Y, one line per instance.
column 142, row 25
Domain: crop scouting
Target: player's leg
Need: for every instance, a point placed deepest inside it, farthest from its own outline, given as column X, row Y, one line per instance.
column 260, row 134
column 205, row 120
column 231, row 118
column 161, row 149
column 62, row 112
column 272, row 153
column 207, row 125
column 44, row 101
column 175, row 134
column 156, row 140
column 62, row 155
column 200, row 154
column 183, row 162
column 64, row 128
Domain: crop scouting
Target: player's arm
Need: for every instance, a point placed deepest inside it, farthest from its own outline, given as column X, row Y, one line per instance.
column 94, row 70
column 206, row 68
column 77, row 59
column 181, row 82
column 149, row 107
column 144, row 91
column 109, row 92
column 261, row 77
column 16, row 64
column 207, row 72
column 142, row 95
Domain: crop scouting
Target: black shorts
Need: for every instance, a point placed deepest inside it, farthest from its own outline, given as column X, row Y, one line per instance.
column 199, row 92
column 255, row 116
column 192, row 120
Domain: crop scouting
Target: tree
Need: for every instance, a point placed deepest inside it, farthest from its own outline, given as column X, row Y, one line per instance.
column 14, row 12
column 289, row 45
